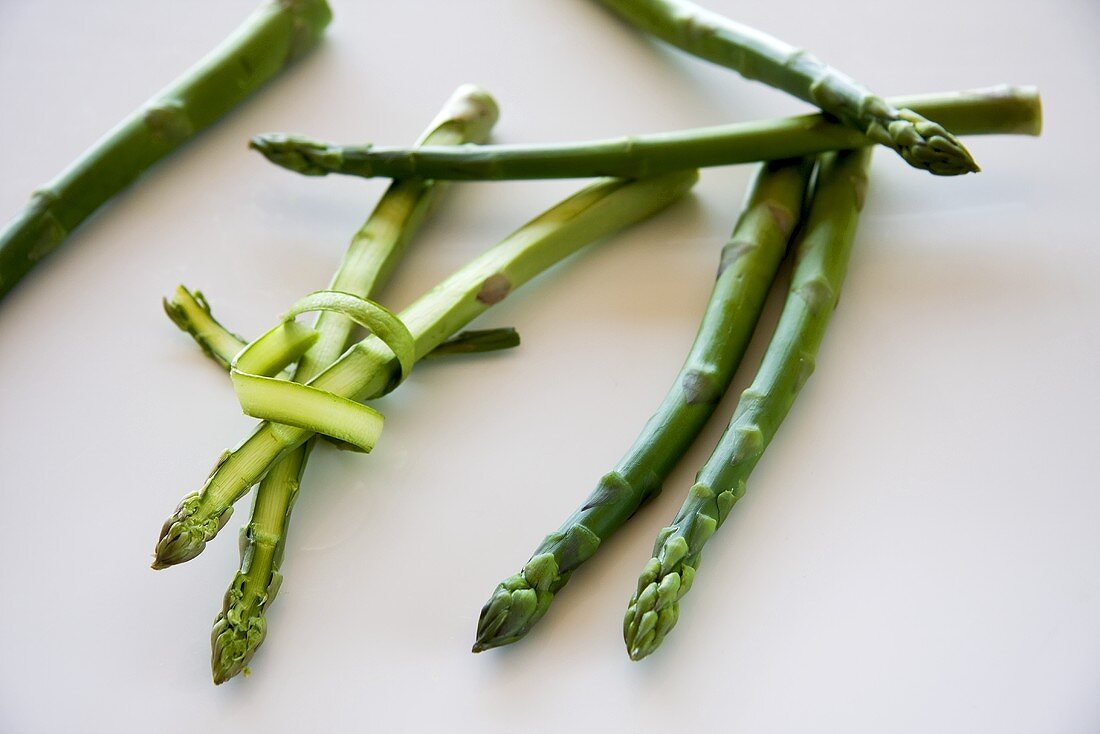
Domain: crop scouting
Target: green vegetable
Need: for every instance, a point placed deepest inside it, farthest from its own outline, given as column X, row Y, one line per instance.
column 368, row 367
column 240, row 628
column 994, row 110
column 274, row 35
column 190, row 311
column 756, row 55
column 748, row 265
column 822, row 250
column 266, row 397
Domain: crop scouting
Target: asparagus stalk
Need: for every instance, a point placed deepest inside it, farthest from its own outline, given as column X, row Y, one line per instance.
column 747, row 268
column 756, row 55
column 1004, row 109
column 191, row 312
column 368, row 367
column 822, row 252
column 274, row 35
column 241, row 626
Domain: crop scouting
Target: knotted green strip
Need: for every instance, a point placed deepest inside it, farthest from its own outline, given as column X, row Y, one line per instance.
column 281, row 401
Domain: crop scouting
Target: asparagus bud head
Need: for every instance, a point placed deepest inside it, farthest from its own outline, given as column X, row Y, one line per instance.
column 301, row 155
column 922, row 143
column 655, row 606
column 184, row 536
column 240, row 628
column 518, row 603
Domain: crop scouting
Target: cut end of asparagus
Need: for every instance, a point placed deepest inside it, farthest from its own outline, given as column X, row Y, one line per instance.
column 923, row 144
column 301, row 155
column 471, row 107
column 655, row 607
column 184, row 536
column 311, row 18
column 1027, row 107
column 518, row 603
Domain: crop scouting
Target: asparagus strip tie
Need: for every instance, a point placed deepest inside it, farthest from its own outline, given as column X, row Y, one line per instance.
column 302, row 406
column 368, row 367
column 822, row 251
column 757, row 55
column 241, row 626
column 748, row 266
column 274, row 35
column 1004, row 109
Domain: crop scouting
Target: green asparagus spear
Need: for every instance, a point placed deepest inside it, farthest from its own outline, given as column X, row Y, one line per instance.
column 1013, row 110
column 368, row 367
column 748, row 265
column 821, row 254
column 277, row 33
column 190, row 311
column 756, row 55
column 241, row 625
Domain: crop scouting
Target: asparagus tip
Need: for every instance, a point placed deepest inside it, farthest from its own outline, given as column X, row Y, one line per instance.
column 518, row 603
column 301, row 155
column 655, row 606
column 924, row 144
column 234, row 640
column 184, row 535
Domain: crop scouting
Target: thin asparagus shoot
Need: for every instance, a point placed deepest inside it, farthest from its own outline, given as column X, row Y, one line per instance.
column 191, row 312
column 274, row 35
column 822, row 252
column 368, row 367
column 748, row 265
column 994, row 110
column 756, row 55
column 375, row 249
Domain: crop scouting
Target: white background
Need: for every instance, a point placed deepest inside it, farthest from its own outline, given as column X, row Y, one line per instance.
column 918, row 551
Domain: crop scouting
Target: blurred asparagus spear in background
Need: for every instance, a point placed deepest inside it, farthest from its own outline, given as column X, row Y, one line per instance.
column 367, row 368
column 990, row 111
column 821, row 253
column 756, row 55
column 747, row 268
column 273, row 36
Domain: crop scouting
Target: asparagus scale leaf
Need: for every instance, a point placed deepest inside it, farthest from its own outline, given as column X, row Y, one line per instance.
column 748, row 265
column 273, row 36
column 989, row 111
column 821, row 255
column 756, row 55
column 368, row 367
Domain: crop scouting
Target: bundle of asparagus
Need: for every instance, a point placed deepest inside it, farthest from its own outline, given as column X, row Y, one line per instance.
column 307, row 383
column 276, row 453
